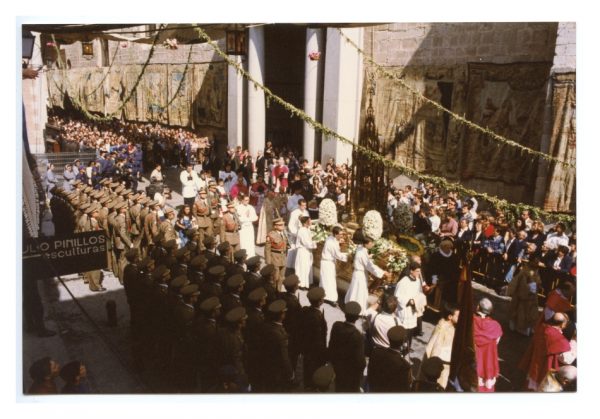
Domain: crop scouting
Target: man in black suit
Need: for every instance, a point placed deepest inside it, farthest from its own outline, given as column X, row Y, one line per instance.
column 205, row 328
column 291, row 322
column 347, row 351
column 276, row 366
column 253, row 337
column 313, row 335
column 388, row 370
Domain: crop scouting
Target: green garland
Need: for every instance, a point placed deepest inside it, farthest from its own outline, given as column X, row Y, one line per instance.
column 78, row 105
column 457, row 117
column 497, row 202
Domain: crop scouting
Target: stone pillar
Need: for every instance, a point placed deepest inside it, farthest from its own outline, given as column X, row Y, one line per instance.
column 35, row 98
column 342, row 92
column 312, row 89
column 235, row 101
column 256, row 97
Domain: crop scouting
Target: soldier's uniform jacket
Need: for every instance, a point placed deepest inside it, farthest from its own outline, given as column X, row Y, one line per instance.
column 206, row 355
column 110, row 222
column 121, row 237
column 230, row 301
column 231, row 350
column 276, row 248
column 83, row 223
column 210, row 289
column 253, row 337
column 143, row 213
column 150, row 227
column 202, row 212
column 276, row 365
column 313, row 333
column 134, row 215
column 168, row 231
column 291, row 322
column 231, row 229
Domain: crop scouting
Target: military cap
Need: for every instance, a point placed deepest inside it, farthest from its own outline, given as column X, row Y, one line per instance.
column 267, row 269
column 253, row 261
column 191, row 289
column 397, row 334
column 137, row 197
column 120, row 205
column 198, row 262
column 170, row 244
column 91, row 209
column 291, row 280
column 323, row 377
column 223, row 247
column 70, row 370
column 152, row 203
column 212, row 183
column 145, row 262
column 208, row 241
column 88, row 189
column 218, row 270
column 72, row 194
column 236, row 314
column 210, row 304
column 127, row 192
column 119, row 189
column 144, row 200
column 235, row 281
column 257, row 294
column 131, row 253
column 278, row 221
column 277, row 306
column 240, row 254
column 352, row 308
column 104, row 199
column 432, row 367
column 191, row 245
column 169, row 210
column 113, row 184
column 76, row 182
column 179, row 282
column 315, row 294
column 181, row 252
column 104, row 181
column 111, row 204
column 161, row 271
column 84, row 206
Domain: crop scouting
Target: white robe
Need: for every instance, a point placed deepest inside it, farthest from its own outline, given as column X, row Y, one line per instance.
column 407, row 290
column 247, row 215
column 358, row 290
column 331, row 253
column 293, row 227
column 304, row 256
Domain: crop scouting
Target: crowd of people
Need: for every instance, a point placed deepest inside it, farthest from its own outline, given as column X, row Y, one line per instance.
column 44, row 371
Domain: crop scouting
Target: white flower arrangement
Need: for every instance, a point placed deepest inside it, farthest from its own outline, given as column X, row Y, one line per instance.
column 373, row 225
column 393, row 256
column 319, row 232
column 328, row 212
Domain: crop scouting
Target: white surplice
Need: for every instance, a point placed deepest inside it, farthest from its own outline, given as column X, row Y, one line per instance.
column 304, row 256
column 358, row 290
column 247, row 215
column 331, row 253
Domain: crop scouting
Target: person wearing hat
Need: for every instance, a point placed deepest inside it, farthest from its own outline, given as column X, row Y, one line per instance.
column 121, row 239
column 213, row 197
column 276, row 248
column 136, row 228
column 252, row 276
column 358, row 290
column 267, row 274
column 231, row 299
column 225, row 254
column 303, row 264
column 209, row 250
column 257, row 300
column 110, row 222
column 430, row 372
column 291, row 323
column 324, row 378
column 346, row 351
column 167, row 227
column 211, row 287
column 313, row 335
column 445, row 273
column 239, row 263
column 184, row 348
column 205, row 328
column 330, row 254
column 74, row 374
column 277, row 370
column 231, row 345
column 196, row 269
column 151, row 223
column 231, row 227
column 94, row 277
column 201, row 211
column 247, row 216
column 389, row 371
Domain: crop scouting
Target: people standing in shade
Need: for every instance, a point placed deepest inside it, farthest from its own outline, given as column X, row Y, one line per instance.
column 331, row 253
column 247, row 216
column 43, row 372
column 313, row 336
column 486, row 335
column 389, row 371
column 358, row 290
column 304, row 257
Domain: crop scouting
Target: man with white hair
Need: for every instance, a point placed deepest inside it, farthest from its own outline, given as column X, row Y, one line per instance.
column 562, row 380
column 486, row 335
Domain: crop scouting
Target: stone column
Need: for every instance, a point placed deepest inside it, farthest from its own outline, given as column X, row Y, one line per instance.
column 256, row 97
column 312, row 89
column 342, row 92
column 35, row 98
column 235, row 101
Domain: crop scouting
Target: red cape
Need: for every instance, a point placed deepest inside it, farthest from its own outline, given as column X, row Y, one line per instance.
column 547, row 346
column 486, row 332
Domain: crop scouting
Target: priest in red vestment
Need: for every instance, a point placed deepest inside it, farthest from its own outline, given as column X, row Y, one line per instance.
column 486, row 335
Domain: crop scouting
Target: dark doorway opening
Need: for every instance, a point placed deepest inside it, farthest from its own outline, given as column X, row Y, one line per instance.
column 284, row 74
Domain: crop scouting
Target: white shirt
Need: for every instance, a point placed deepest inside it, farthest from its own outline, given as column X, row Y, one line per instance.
column 294, row 222
column 246, row 214
column 331, row 251
column 190, row 186
column 383, row 322
column 554, row 240
column 304, row 239
column 156, row 175
column 435, row 223
column 407, row 290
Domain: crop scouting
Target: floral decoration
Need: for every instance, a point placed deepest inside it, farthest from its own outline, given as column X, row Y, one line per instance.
column 319, row 232
column 328, row 212
column 373, row 225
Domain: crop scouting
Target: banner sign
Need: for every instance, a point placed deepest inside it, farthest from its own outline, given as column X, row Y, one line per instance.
column 52, row 256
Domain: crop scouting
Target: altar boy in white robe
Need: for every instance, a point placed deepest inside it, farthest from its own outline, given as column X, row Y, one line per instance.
column 331, row 253
column 247, row 216
column 410, row 302
column 304, row 257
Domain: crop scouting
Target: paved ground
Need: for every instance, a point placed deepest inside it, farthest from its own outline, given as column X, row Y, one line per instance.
column 79, row 317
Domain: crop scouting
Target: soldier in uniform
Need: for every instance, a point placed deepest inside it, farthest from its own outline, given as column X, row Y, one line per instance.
column 253, row 336
column 135, row 213
column 211, row 287
column 202, row 211
column 251, row 276
column 347, row 351
column 431, row 370
column 121, row 238
column 205, row 329
column 151, row 222
column 291, row 323
column 231, row 348
column 224, row 257
column 231, row 226
column 215, row 213
column 276, row 366
column 132, row 282
column 183, row 259
column 276, row 250
column 232, row 299
column 209, row 251
column 166, row 227
column 94, row 278
column 239, row 263
column 110, row 222
column 389, row 371
column 313, row 335
column 185, row 344
column 267, row 274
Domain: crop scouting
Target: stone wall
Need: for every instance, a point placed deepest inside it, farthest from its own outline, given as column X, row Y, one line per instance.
column 494, row 74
